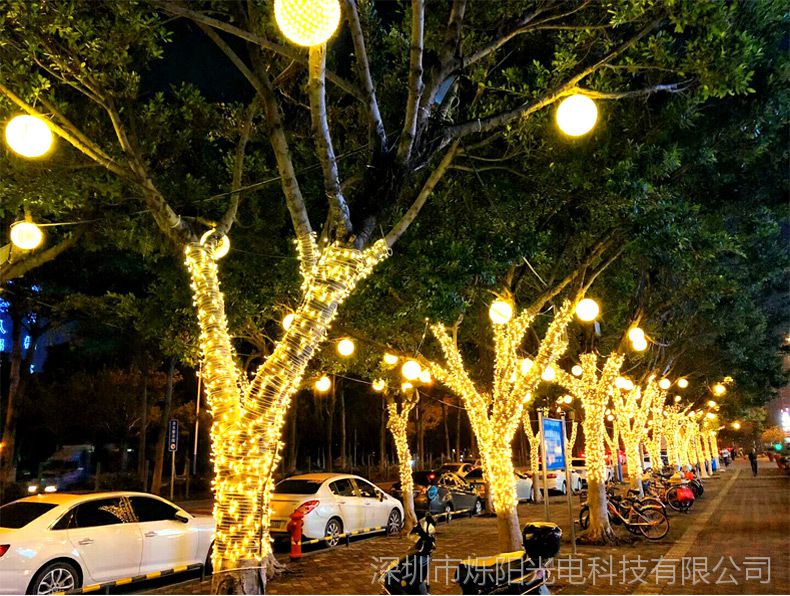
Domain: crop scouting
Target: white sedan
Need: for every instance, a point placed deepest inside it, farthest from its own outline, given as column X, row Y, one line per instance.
column 579, row 465
column 524, row 491
column 333, row 504
column 58, row 542
column 556, row 480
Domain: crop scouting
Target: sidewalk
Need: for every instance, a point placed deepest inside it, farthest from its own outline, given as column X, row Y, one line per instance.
column 738, row 517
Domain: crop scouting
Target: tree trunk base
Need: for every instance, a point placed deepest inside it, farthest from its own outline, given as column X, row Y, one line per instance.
column 248, row 579
column 604, row 536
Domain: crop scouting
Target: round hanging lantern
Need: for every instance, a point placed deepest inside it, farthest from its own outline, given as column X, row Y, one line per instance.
column 307, row 22
column 26, row 235
column 587, row 310
column 345, row 347
column 28, row 136
column 411, row 370
column 577, row 115
column 500, row 312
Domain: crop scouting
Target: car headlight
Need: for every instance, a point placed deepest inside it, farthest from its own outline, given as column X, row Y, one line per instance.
column 32, row 488
column 50, row 489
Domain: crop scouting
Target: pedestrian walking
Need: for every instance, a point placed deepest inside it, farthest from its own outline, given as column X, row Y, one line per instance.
column 753, row 461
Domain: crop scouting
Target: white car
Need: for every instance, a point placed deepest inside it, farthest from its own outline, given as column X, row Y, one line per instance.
column 556, row 481
column 58, row 542
column 333, row 504
column 524, row 490
column 579, row 465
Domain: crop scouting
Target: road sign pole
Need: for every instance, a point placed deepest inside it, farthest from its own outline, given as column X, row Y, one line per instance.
column 544, row 465
column 172, row 472
column 568, row 483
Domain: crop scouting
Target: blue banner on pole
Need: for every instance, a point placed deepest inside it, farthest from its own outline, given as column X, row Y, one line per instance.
column 172, row 435
column 555, row 446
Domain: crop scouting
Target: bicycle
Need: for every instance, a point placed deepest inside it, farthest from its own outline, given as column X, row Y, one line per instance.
column 648, row 519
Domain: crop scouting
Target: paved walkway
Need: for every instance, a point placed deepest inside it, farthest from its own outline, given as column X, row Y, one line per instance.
column 734, row 541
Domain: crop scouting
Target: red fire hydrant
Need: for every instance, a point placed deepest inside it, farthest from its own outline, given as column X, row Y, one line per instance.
column 294, row 528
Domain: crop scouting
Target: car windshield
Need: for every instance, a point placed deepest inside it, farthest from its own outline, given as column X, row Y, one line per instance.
column 19, row 514
column 424, row 478
column 296, row 486
column 474, row 474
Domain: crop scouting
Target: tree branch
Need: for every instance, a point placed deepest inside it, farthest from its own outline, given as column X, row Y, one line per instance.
column 548, row 98
column 32, row 260
column 226, row 222
column 339, row 217
column 408, row 217
column 258, row 40
column 363, row 70
column 415, row 81
column 261, row 82
column 74, row 139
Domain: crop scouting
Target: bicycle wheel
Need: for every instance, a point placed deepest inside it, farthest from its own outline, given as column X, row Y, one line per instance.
column 584, row 517
column 673, row 501
column 654, row 524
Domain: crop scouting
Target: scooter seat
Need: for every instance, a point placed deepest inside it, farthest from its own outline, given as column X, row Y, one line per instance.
column 480, row 575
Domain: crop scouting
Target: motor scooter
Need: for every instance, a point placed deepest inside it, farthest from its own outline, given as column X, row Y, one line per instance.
column 518, row 572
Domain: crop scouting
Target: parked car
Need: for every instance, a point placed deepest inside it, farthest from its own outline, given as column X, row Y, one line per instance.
column 438, row 492
column 59, row 541
column 66, row 469
column 459, row 468
column 333, row 504
column 524, row 490
column 579, row 466
column 556, row 480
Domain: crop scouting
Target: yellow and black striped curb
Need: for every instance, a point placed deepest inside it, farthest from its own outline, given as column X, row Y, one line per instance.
column 90, row 588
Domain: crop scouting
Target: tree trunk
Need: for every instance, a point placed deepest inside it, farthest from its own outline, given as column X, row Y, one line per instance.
column 248, row 418
column 420, row 437
column 161, row 440
column 406, row 483
column 632, row 455
column 497, row 461
column 600, row 530
column 458, row 435
column 141, row 446
column 445, row 413
column 383, row 440
column 343, row 437
column 330, row 431
column 293, row 443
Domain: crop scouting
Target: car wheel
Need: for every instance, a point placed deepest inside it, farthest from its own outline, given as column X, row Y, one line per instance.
column 334, row 528
column 448, row 508
column 478, row 507
column 532, row 494
column 394, row 522
column 564, row 489
column 55, row 577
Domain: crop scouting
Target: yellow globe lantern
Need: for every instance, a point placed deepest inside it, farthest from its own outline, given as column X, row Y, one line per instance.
column 577, row 115
column 719, row 389
column 307, row 22
column 26, row 235
column 587, row 310
column 677, row 398
column 411, row 370
column 628, row 385
column 500, row 312
column 736, row 425
column 323, row 384
column 379, row 385
column 640, row 345
column 548, row 374
column 683, row 383
column 526, row 364
column 567, row 399
column 635, row 334
column 576, row 370
column 609, row 417
column 28, row 136
column 619, row 382
column 712, row 404
column 390, row 359
column 288, row 320
column 425, row 377
column 665, row 384
column 346, row 347
column 406, row 387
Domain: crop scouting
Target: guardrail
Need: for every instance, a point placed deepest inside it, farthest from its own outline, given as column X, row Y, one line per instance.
column 125, row 581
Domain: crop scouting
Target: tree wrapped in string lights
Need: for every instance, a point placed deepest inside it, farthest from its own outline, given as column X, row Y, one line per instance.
column 633, row 407
column 593, row 390
column 495, row 415
column 398, row 425
column 656, row 439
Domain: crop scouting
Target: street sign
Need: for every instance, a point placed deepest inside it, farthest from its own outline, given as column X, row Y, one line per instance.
column 172, row 435
column 555, row 445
